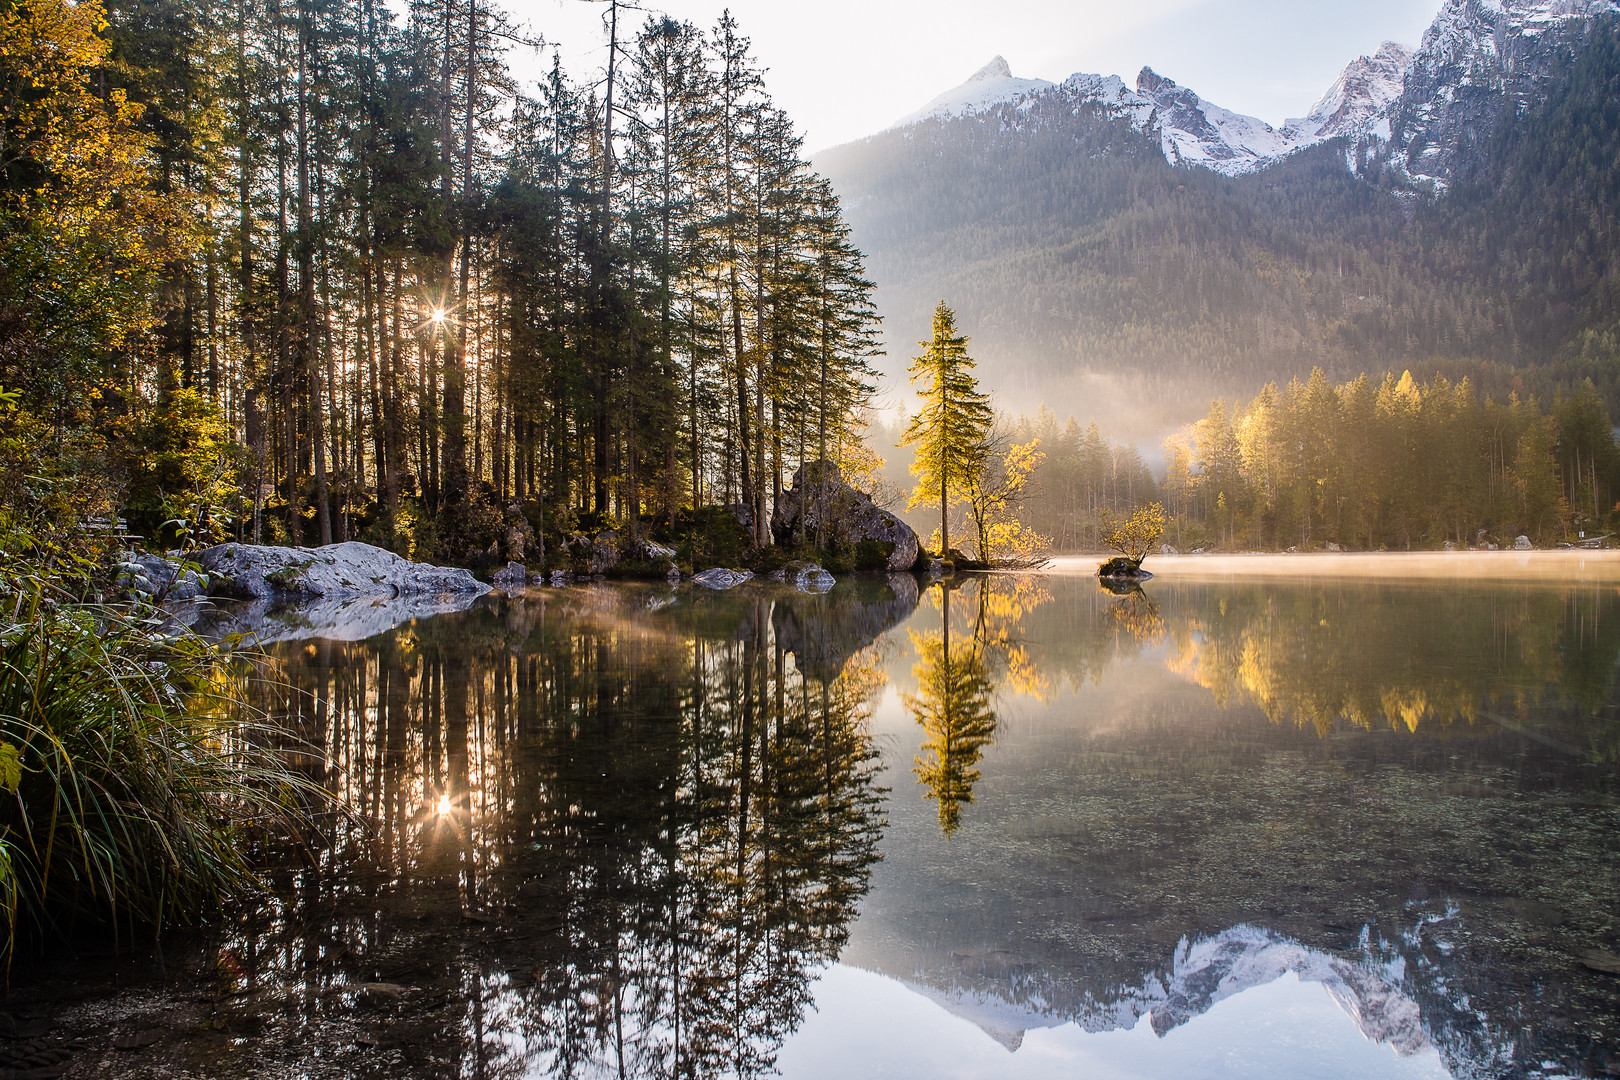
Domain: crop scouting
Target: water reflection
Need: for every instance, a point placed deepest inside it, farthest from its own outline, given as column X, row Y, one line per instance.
column 952, row 705
column 598, row 834
column 1328, row 655
column 629, row 830
column 1407, row 790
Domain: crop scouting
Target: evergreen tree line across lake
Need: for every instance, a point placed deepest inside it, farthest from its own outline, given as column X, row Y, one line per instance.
column 1367, row 465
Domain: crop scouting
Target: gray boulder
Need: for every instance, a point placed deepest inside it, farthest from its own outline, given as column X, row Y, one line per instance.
column 1522, row 543
column 250, row 572
column 821, row 507
column 720, row 578
column 514, row 577
column 154, row 577
column 592, row 555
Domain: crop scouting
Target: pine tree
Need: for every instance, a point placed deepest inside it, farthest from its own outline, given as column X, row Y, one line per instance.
column 949, row 429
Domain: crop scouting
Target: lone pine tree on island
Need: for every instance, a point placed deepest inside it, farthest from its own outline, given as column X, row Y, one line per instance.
column 950, row 427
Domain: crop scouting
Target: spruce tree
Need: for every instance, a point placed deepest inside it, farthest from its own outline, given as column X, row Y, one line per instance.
column 950, row 427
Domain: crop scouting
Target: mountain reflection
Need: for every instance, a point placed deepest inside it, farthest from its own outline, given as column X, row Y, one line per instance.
column 592, row 836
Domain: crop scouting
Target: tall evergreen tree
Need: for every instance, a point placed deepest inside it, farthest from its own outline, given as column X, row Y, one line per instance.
column 949, row 428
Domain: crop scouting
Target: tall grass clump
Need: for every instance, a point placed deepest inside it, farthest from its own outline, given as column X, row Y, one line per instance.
column 131, row 782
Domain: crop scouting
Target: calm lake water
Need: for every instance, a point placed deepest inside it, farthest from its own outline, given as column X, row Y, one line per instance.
column 1258, row 819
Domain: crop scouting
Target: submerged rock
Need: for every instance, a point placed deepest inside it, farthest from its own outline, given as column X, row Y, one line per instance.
column 720, row 578
column 805, row 577
column 813, row 579
column 821, row 508
column 353, row 569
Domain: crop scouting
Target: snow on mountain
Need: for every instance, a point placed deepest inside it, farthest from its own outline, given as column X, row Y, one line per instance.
column 1423, row 105
column 1193, row 131
column 1358, row 102
column 1202, row 973
column 1190, row 130
column 992, row 85
column 1477, row 58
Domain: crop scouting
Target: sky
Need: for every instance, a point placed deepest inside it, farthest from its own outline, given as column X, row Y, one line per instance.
column 844, row 69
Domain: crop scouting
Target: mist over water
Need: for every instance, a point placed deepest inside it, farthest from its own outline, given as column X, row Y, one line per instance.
column 1542, row 567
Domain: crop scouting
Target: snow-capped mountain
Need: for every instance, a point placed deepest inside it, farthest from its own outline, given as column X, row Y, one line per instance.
column 1189, row 129
column 1049, row 216
column 992, row 85
column 1193, row 131
column 1421, row 106
column 1358, row 103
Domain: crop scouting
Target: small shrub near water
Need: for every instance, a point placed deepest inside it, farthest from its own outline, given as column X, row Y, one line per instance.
column 128, row 782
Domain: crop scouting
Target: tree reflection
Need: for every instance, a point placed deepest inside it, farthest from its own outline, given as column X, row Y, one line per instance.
column 957, row 680
column 635, row 838
column 1397, row 658
column 1134, row 613
column 952, row 705
column 1325, row 655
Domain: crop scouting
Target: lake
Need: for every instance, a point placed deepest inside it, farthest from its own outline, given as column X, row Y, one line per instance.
column 1284, row 816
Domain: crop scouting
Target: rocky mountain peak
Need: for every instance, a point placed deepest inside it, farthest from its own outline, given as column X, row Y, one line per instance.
column 995, row 69
column 1150, row 82
column 1358, row 102
column 992, row 85
column 1412, row 109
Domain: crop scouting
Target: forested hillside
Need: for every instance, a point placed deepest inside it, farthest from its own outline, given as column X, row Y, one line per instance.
column 1070, row 247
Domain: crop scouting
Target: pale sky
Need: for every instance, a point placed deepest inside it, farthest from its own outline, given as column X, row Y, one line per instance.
column 847, row 68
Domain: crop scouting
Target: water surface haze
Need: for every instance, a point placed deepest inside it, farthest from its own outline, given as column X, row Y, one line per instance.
column 1327, row 816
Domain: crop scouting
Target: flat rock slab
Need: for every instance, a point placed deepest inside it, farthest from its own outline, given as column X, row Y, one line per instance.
column 253, row 572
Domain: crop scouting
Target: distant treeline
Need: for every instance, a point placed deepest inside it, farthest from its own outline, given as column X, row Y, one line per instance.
column 1368, row 465
column 1391, row 464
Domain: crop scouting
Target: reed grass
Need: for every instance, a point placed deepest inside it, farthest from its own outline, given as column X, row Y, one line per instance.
column 132, row 783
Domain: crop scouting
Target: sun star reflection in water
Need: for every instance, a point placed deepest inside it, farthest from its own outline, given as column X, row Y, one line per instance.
column 444, row 806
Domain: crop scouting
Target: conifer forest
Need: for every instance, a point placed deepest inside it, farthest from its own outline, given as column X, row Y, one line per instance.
column 306, row 272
